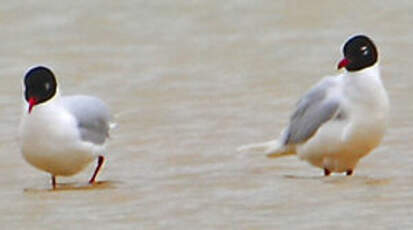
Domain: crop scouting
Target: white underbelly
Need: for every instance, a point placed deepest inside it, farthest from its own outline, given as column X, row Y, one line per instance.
column 53, row 143
column 59, row 163
column 330, row 148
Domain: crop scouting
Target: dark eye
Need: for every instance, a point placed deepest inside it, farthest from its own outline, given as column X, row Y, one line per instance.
column 364, row 50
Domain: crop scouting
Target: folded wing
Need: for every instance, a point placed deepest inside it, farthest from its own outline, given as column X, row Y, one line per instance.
column 92, row 115
column 313, row 110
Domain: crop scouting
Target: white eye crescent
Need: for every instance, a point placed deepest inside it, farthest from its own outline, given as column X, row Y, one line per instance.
column 47, row 86
column 364, row 50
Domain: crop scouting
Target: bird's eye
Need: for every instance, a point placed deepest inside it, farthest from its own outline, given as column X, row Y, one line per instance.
column 364, row 50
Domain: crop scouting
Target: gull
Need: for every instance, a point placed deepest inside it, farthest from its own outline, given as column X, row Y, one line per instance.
column 339, row 120
column 61, row 135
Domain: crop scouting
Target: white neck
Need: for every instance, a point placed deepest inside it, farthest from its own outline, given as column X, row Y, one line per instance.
column 373, row 71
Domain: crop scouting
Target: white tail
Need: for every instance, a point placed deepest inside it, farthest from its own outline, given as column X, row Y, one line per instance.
column 263, row 147
column 273, row 148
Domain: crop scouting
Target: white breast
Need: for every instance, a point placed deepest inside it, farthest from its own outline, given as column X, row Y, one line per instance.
column 51, row 142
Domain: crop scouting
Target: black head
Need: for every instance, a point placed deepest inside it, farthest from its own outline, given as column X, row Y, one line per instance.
column 359, row 53
column 40, row 85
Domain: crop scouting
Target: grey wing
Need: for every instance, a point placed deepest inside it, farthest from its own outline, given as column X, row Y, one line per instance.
column 313, row 110
column 92, row 115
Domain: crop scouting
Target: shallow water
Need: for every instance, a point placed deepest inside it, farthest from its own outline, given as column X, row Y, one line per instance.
column 188, row 82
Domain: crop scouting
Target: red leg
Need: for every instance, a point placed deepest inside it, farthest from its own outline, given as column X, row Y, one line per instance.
column 54, row 182
column 101, row 159
column 327, row 172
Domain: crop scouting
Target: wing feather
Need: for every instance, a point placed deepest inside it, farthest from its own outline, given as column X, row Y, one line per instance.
column 313, row 110
column 92, row 115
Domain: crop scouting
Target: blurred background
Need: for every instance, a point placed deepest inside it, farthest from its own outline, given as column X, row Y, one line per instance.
column 188, row 82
